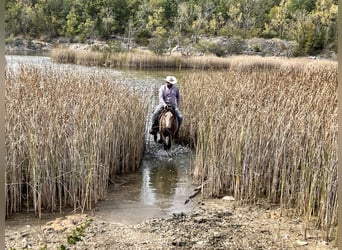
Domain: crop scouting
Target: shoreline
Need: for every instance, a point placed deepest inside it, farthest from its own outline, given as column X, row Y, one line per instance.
column 268, row 48
column 212, row 224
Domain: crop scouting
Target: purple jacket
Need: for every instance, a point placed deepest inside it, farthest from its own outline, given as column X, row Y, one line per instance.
column 169, row 95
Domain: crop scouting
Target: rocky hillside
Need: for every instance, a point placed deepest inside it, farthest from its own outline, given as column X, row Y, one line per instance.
column 221, row 46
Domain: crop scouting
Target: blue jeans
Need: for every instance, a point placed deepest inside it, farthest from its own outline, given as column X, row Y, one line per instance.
column 157, row 112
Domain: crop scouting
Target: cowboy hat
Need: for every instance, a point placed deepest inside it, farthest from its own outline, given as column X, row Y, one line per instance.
column 171, row 79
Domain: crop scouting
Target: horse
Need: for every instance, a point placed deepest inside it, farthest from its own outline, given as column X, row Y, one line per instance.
column 168, row 125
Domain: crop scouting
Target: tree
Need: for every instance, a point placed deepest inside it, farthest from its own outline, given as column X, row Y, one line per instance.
column 325, row 20
column 108, row 22
column 313, row 24
column 87, row 30
column 261, row 16
column 202, row 13
column 13, row 24
column 72, row 24
column 279, row 23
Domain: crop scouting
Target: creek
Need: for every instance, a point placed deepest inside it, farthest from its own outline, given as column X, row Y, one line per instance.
column 163, row 182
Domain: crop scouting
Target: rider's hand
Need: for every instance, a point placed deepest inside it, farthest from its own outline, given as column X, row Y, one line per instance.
column 164, row 105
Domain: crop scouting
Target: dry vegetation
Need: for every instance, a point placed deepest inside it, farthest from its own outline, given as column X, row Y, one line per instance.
column 267, row 128
column 137, row 60
column 67, row 134
column 262, row 128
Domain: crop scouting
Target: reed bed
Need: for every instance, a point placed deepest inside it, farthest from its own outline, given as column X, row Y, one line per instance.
column 267, row 128
column 137, row 60
column 67, row 134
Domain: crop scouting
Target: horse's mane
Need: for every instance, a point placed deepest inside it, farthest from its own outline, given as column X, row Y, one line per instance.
column 169, row 107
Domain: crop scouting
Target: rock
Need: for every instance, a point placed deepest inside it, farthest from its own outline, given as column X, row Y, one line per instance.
column 324, row 243
column 199, row 220
column 64, row 223
column 179, row 243
column 228, row 198
column 301, row 243
column 223, row 214
column 218, row 235
column 25, row 243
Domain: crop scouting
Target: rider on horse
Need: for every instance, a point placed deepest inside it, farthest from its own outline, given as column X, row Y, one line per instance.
column 168, row 93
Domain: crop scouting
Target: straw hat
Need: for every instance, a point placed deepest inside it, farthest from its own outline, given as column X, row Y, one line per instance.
column 171, row 79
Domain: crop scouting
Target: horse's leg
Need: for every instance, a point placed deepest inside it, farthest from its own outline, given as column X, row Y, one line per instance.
column 167, row 142
column 161, row 137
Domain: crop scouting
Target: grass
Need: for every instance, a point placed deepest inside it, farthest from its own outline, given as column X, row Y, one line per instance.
column 67, row 135
column 267, row 128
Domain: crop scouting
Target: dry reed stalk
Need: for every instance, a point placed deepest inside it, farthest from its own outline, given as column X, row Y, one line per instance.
column 139, row 60
column 267, row 128
column 67, row 134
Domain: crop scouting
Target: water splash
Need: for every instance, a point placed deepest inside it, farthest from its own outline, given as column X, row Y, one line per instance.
column 156, row 150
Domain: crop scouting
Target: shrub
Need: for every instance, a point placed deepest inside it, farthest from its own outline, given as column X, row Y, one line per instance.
column 158, row 45
column 143, row 37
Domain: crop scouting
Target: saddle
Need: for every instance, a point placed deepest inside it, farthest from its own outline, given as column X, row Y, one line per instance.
column 168, row 107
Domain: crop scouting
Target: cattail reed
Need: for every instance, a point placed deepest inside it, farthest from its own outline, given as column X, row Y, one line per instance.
column 137, row 60
column 67, row 134
column 267, row 128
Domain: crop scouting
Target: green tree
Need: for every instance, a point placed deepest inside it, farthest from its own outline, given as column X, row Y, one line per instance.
column 279, row 21
column 261, row 16
column 87, row 29
column 108, row 23
column 301, row 5
column 313, row 24
column 325, row 20
column 13, row 24
column 72, row 24
column 202, row 13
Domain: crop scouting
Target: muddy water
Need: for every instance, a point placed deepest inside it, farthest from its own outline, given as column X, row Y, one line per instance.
column 158, row 189
column 161, row 185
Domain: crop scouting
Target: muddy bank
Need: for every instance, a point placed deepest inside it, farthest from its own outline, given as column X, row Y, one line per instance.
column 212, row 224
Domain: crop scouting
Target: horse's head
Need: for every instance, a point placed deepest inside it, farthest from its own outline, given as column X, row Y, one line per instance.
column 167, row 125
column 168, row 119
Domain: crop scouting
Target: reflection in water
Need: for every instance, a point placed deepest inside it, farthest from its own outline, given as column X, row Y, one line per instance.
column 158, row 189
column 164, row 179
column 159, row 185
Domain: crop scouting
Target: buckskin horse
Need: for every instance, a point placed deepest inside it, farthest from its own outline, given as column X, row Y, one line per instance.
column 168, row 125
